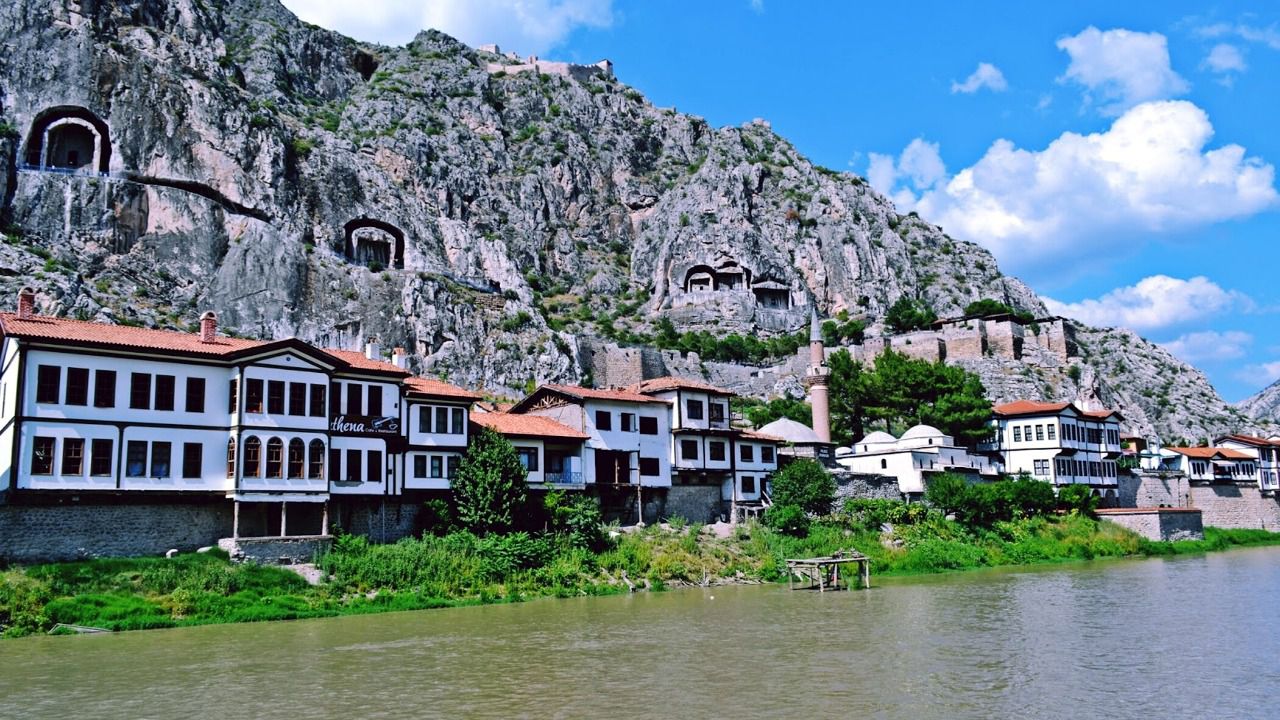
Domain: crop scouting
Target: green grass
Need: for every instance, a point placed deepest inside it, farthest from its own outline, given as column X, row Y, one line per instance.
column 462, row 569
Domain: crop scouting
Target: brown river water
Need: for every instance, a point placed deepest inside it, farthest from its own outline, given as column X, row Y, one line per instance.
column 1162, row 638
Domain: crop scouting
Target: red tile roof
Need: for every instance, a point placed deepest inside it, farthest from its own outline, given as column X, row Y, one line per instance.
column 670, row 382
column 526, row 426
column 1030, row 407
column 437, row 388
column 1205, row 453
column 357, row 361
column 753, row 435
column 599, row 394
column 1250, row 440
column 43, row 327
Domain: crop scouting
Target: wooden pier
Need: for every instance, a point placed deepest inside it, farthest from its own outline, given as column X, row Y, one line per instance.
column 824, row 573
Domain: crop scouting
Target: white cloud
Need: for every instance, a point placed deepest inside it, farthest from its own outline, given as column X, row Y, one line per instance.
column 1154, row 302
column 757, row 5
column 1210, row 345
column 1149, row 172
column 1225, row 58
column 525, row 26
column 1121, row 67
column 986, row 76
column 1268, row 36
column 1261, row 374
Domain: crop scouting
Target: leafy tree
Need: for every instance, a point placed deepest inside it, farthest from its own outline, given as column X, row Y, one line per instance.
column 905, row 391
column 850, row 388
column 837, row 333
column 576, row 517
column 805, row 484
column 666, row 336
column 760, row 412
column 788, row 520
column 1077, row 499
column 489, row 486
column 907, row 314
column 947, row 492
column 987, row 307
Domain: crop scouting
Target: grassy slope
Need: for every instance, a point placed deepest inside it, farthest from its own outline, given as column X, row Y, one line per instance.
column 137, row 593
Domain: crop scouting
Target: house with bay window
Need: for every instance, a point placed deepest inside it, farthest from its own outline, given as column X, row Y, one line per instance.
column 550, row 451
column 436, row 418
column 1266, row 455
column 1222, row 465
column 1057, row 442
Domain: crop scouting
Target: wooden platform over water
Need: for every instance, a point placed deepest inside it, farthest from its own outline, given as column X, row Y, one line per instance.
column 823, row 573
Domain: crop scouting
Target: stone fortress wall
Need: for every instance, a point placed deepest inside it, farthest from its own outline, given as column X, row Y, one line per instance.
column 1047, row 339
column 533, row 63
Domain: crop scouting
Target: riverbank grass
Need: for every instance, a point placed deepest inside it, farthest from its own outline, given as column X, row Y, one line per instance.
column 460, row 568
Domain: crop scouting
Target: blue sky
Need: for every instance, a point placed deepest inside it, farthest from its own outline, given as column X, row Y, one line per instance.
column 1116, row 156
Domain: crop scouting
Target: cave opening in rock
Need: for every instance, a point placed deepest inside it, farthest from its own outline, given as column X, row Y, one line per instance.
column 772, row 295
column 699, row 278
column 374, row 243
column 69, row 138
column 365, row 64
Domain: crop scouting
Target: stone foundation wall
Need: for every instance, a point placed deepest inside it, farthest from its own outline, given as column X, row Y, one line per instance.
column 1149, row 490
column 1236, row 506
column 1167, row 524
column 381, row 520
column 850, row 485
column 53, row 532
column 695, row 503
column 270, row 551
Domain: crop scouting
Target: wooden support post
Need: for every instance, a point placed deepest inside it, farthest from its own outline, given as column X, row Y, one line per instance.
column 283, row 515
column 235, row 519
column 324, row 518
column 835, row 576
column 866, row 573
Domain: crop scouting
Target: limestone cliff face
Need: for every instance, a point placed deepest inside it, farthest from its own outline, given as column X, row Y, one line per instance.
column 302, row 183
column 1263, row 407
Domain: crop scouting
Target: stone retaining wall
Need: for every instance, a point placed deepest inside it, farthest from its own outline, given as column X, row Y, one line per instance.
column 75, row 530
column 281, row 550
column 860, row 486
column 1168, row 524
column 1236, row 506
column 1149, row 489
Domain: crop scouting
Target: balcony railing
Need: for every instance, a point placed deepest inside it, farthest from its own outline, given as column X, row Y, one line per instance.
column 563, row 478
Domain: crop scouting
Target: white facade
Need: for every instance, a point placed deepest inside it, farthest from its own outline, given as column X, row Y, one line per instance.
column 1057, row 443
column 1264, row 451
column 1210, row 464
column 920, row 452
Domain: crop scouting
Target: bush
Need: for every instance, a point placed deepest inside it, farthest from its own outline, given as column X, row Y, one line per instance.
column 986, row 504
column 505, row 554
column 872, row 514
column 436, row 518
column 577, row 519
column 806, row 485
column 1078, row 500
column 788, row 520
column 947, row 492
column 490, row 484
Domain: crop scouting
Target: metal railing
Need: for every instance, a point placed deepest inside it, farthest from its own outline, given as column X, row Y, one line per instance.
column 563, row 478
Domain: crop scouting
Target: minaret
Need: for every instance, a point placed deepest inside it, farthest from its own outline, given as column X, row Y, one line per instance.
column 817, row 378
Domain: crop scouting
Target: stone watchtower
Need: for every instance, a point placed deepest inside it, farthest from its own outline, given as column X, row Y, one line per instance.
column 817, row 378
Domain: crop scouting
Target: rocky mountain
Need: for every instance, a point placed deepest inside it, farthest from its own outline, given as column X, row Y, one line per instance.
column 499, row 217
column 1263, row 407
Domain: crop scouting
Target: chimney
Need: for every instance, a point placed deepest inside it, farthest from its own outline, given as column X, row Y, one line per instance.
column 26, row 303
column 208, row 327
column 372, row 350
column 400, row 358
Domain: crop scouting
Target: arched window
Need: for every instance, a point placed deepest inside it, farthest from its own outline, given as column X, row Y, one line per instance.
column 231, row 458
column 275, row 458
column 315, row 460
column 297, row 457
column 252, row 457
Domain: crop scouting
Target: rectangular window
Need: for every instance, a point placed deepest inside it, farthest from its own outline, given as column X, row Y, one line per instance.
column 335, row 464
column 689, row 449
column 649, row 467
column 1017, row 433
column 604, row 420
column 353, row 466
column 528, row 458
column 1039, row 432
column 355, row 399
column 424, row 419
column 48, row 380
column 420, row 466
column 716, row 451
column 717, row 412
column 72, row 456
column 195, row 395
column 693, row 409
column 192, row 460
column 253, row 395
column 317, row 401
column 747, row 453
column 335, row 399
column 1042, row 467
column 135, row 459
column 648, row 425
column 766, row 454
column 437, row 466
column 1053, row 432
column 374, row 458
column 453, row 462
column 42, row 449
column 315, row 459
column 275, row 458
column 375, row 401
column 442, row 420
column 104, row 388
column 748, row 485
column 233, row 395
column 297, row 398
column 100, row 454
column 164, row 391
column 458, row 426
column 296, row 458
column 77, row 386
column 627, row 422
column 161, row 453
column 275, row 397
